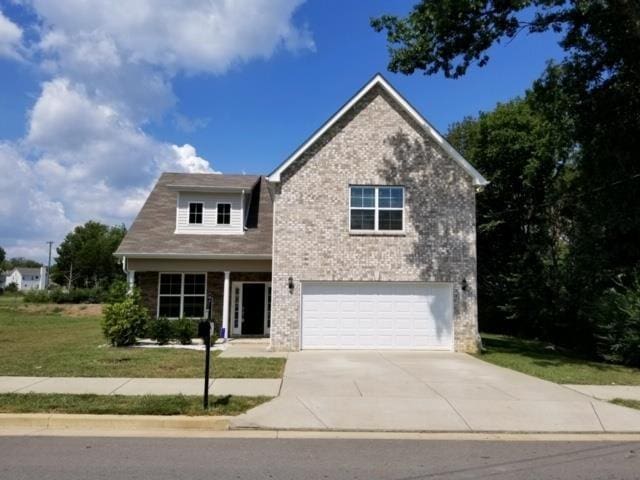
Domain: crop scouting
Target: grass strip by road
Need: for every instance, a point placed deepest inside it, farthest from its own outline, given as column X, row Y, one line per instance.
column 52, row 344
column 627, row 403
column 125, row 405
column 556, row 365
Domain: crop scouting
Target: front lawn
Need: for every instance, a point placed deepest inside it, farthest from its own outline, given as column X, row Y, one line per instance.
column 125, row 405
column 52, row 343
column 534, row 358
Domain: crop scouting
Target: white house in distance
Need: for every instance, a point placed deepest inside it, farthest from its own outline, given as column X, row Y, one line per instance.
column 27, row 278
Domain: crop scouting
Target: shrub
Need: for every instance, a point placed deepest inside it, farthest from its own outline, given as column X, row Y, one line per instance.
column 11, row 288
column 36, row 296
column 124, row 321
column 117, row 292
column 184, row 330
column 618, row 323
column 161, row 330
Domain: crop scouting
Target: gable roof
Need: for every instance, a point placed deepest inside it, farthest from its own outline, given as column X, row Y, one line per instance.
column 25, row 270
column 379, row 80
column 152, row 232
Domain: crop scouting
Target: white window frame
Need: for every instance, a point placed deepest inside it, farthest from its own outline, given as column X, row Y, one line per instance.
column 230, row 210
column 181, row 294
column 189, row 213
column 376, row 208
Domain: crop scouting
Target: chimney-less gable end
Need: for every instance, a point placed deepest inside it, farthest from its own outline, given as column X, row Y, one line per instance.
column 379, row 81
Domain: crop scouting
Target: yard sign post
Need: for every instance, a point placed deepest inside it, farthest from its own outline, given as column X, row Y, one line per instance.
column 205, row 332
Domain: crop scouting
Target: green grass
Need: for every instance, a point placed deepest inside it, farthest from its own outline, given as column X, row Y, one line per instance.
column 534, row 358
column 627, row 403
column 125, row 405
column 53, row 344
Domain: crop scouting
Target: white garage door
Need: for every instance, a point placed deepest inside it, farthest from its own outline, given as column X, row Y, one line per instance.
column 377, row 315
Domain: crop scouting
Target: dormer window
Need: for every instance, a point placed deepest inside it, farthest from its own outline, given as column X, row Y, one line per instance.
column 224, row 213
column 195, row 213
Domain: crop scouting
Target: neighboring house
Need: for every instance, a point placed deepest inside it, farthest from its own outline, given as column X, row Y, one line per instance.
column 26, row 278
column 363, row 238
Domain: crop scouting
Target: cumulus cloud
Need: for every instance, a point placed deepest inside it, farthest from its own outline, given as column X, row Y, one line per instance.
column 85, row 153
column 10, row 38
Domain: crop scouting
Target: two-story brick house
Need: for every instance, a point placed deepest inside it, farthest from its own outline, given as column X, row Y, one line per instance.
column 363, row 238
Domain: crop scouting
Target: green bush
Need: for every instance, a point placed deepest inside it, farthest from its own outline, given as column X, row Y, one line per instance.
column 618, row 323
column 11, row 288
column 57, row 295
column 124, row 321
column 184, row 330
column 36, row 296
column 117, row 292
column 161, row 330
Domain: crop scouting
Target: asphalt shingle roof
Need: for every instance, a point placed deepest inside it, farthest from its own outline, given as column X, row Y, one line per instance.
column 152, row 232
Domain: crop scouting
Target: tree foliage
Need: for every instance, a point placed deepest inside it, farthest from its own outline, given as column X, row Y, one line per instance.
column 560, row 221
column 86, row 258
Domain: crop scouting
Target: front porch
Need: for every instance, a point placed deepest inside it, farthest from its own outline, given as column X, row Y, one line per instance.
column 241, row 300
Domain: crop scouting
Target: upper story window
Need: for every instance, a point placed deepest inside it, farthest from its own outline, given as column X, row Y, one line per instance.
column 224, row 213
column 195, row 213
column 376, row 208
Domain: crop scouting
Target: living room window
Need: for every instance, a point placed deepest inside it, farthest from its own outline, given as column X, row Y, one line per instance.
column 224, row 213
column 376, row 208
column 195, row 213
column 182, row 295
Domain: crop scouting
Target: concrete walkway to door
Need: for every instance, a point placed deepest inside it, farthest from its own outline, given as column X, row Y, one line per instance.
column 426, row 391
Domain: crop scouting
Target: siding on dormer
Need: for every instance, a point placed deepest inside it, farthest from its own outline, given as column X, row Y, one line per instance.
column 210, row 213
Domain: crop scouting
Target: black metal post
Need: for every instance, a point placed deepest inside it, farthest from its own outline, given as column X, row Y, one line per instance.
column 207, row 342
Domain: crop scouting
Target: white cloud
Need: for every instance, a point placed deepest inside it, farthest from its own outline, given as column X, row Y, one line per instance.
column 85, row 154
column 10, row 38
column 191, row 35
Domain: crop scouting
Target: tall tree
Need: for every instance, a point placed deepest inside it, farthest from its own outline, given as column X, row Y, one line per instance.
column 85, row 257
column 3, row 256
column 599, row 112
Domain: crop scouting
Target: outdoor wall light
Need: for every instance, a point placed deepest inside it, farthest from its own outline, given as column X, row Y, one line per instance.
column 464, row 285
column 290, row 284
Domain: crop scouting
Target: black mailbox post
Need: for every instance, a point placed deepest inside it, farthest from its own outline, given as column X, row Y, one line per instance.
column 204, row 331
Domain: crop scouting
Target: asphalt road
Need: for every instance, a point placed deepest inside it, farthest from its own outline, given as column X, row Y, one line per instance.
column 71, row 458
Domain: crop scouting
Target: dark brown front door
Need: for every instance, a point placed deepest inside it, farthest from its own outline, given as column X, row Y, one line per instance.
column 253, row 308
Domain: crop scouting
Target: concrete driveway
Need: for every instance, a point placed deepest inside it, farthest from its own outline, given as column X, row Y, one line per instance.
column 426, row 391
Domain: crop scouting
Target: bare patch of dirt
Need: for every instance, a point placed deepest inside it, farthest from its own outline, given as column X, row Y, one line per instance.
column 71, row 309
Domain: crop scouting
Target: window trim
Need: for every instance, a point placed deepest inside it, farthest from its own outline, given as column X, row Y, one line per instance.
column 181, row 294
column 217, row 213
column 376, row 209
column 195, row 202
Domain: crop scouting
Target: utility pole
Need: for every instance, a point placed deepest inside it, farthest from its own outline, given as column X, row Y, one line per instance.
column 46, row 286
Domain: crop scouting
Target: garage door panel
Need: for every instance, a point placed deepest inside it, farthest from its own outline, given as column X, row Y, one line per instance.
column 377, row 315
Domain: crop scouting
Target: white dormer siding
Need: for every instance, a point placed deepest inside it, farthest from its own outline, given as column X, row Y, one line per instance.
column 210, row 203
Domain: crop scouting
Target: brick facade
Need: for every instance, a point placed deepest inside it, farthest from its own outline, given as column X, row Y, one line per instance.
column 147, row 282
column 376, row 143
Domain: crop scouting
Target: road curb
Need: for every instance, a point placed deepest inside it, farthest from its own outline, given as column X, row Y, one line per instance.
column 113, row 422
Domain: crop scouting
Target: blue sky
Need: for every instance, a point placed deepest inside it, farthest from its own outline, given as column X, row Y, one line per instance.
column 94, row 105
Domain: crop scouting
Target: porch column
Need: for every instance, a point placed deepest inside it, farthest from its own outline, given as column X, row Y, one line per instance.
column 131, row 279
column 225, row 305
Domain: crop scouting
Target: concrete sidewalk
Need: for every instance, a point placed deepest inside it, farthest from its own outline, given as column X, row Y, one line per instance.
column 608, row 392
column 267, row 387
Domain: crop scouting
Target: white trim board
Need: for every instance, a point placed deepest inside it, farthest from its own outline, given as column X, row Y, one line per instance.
column 379, row 80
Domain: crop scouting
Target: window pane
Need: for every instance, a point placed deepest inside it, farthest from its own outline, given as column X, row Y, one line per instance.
column 224, row 213
column 195, row 213
column 362, row 219
column 194, row 307
column 169, row 307
column 362, row 197
column 170, row 283
column 390, row 220
column 390, row 197
column 194, row 284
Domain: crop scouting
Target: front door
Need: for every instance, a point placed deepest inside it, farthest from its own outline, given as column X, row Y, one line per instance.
column 253, row 308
